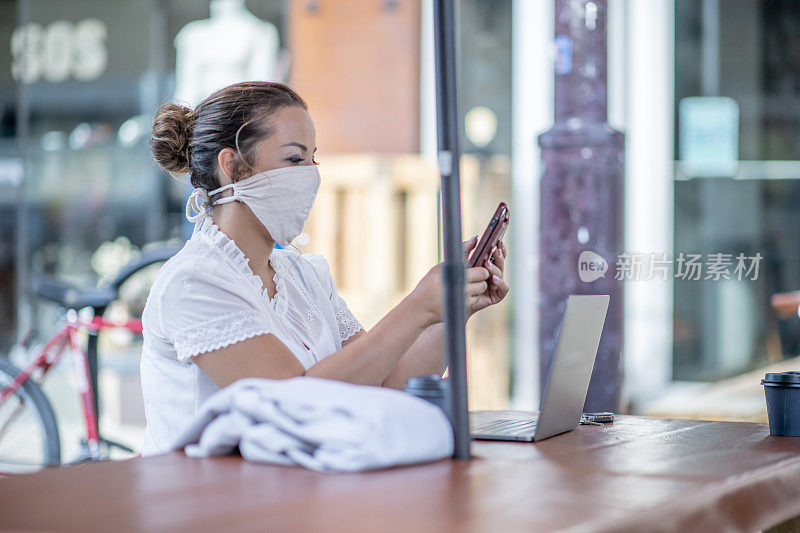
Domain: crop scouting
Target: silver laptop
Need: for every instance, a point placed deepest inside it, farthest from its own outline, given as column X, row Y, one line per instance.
column 567, row 381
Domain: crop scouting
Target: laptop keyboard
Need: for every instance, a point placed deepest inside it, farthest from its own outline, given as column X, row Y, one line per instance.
column 503, row 426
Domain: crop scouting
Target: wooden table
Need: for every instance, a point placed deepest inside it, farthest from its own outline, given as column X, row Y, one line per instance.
column 639, row 474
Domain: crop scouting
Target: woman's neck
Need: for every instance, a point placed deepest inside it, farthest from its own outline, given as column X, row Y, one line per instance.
column 238, row 222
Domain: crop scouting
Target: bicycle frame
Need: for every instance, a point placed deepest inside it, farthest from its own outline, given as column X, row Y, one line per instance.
column 68, row 337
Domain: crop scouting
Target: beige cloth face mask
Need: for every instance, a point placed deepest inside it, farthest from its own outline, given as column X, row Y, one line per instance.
column 281, row 199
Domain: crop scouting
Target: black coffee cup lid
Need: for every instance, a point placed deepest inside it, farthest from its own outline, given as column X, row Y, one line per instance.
column 788, row 378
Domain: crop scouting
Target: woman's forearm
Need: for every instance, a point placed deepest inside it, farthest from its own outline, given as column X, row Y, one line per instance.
column 425, row 356
column 372, row 357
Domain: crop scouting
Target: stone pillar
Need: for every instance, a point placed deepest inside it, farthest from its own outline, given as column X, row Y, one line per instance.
column 581, row 192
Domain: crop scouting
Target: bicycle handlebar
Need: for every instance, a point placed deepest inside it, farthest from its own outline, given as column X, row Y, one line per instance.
column 146, row 258
column 72, row 297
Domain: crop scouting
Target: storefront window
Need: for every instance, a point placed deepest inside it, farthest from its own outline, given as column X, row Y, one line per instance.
column 745, row 51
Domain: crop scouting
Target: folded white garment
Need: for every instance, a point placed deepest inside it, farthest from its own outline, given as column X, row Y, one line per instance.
column 325, row 425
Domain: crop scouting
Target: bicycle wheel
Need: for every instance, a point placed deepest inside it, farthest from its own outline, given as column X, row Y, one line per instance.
column 28, row 432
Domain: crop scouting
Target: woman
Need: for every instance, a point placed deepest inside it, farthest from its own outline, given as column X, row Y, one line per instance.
column 229, row 305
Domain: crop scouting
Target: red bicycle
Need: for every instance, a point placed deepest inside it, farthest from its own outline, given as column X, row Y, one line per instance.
column 29, row 436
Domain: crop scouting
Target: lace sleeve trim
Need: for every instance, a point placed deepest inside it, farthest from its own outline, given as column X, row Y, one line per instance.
column 217, row 333
column 348, row 324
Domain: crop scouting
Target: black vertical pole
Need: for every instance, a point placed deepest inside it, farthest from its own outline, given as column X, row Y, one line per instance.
column 447, row 134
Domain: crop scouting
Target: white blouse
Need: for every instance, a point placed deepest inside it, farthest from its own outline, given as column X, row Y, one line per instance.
column 205, row 298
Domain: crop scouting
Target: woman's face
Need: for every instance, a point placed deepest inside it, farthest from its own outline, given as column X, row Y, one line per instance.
column 293, row 142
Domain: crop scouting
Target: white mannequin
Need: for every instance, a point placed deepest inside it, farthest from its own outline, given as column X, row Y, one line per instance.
column 232, row 45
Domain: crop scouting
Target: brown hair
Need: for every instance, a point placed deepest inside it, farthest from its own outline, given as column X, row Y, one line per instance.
column 184, row 140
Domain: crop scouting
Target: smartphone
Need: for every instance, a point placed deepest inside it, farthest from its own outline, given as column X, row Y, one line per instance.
column 491, row 237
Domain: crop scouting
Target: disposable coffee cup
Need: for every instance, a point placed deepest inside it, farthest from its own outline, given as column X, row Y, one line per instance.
column 782, row 390
column 432, row 388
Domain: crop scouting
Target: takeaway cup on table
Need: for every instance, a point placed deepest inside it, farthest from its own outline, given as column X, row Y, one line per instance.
column 782, row 390
column 431, row 387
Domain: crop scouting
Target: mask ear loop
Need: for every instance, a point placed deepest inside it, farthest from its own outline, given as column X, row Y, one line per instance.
column 198, row 202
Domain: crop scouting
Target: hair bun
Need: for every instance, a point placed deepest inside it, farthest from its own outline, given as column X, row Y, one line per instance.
column 170, row 137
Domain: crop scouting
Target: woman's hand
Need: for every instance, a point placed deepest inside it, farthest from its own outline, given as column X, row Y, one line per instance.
column 497, row 285
column 429, row 292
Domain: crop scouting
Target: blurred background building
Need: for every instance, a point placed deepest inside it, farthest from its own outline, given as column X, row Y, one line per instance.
column 707, row 93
